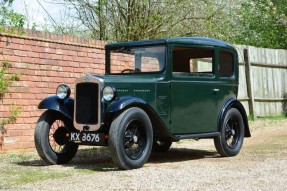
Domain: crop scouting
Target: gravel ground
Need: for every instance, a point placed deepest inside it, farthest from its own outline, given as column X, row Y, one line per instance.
column 190, row 165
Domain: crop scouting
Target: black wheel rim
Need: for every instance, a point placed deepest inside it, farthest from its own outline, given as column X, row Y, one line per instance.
column 232, row 132
column 57, row 136
column 134, row 140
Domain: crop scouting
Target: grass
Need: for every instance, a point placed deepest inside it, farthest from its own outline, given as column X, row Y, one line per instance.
column 17, row 169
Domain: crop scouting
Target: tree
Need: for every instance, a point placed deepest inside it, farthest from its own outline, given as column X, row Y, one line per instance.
column 125, row 20
column 9, row 18
column 263, row 23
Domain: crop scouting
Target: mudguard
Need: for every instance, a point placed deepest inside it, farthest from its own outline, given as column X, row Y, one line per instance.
column 124, row 102
column 235, row 104
column 160, row 130
column 65, row 107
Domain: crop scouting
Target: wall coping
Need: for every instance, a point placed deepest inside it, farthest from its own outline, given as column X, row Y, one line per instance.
column 56, row 38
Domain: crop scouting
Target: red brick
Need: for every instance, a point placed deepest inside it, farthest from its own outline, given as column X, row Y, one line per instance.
column 67, row 58
column 38, row 49
column 45, row 67
column 33, row 54
column 74, row 64
column 78, row 59
column 88, row 60
column 40, row 73
column 57, row 57
column 13, row 46
column 52, row 62
column 11, row 58
column 33, row 66
column 14, row 133
column 39, row 61
column 45, row 55
column 31, row 42
column 35, row 90
column 52, row 73
column 78, row 70
column 20, row 65
column 82, row 54
column 27, row 60
column 18, row 41
column 25, row 138
column 25, row 47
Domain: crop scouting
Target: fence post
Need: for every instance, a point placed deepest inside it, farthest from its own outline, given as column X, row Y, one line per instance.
column 248, row 73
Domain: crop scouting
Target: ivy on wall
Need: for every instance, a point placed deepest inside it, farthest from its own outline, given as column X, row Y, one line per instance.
column 6, row 80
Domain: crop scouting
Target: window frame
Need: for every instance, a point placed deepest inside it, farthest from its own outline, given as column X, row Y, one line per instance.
column 108, row 59
column 231, row 77
column 199, row 75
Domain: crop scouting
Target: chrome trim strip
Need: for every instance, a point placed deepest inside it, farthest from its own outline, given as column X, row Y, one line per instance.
column 91, row 79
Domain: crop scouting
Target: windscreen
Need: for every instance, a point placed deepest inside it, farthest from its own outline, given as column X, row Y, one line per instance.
column 130, row 60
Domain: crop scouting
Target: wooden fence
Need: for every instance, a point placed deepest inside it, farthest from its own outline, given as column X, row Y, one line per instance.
column 263, row 80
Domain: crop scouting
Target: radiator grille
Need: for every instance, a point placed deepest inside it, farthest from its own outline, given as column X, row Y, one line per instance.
column 87, row 103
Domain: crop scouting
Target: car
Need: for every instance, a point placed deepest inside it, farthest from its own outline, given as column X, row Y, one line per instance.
column 153, row 93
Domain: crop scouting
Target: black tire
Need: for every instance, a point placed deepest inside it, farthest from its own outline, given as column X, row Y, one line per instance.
column 50, row 138
column 130, row 139
column 161, row 145
column 231, row 137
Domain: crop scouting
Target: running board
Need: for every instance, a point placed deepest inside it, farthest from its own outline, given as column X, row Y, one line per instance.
column 197, row 136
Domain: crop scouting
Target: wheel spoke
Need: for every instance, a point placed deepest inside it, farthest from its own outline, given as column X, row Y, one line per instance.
column 134, row 141
column 57, row 136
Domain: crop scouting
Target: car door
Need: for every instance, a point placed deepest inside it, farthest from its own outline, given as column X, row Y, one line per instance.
column 194, row 91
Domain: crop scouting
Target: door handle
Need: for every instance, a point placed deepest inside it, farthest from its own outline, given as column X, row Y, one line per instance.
column 215, row 91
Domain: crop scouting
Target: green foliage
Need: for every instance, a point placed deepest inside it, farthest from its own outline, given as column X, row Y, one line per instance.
column 263, row 23
column 9, row 18
column 6, row 80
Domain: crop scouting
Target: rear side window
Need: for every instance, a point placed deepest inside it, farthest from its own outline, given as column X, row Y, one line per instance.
column 226, row 64
column 193, row 61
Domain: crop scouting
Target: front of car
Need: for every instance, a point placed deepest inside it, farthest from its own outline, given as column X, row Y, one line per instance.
column 132, row 71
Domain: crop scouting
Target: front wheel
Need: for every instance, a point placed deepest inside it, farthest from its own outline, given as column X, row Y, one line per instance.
column 130, row 139
column 230, row 140
column 51, row 139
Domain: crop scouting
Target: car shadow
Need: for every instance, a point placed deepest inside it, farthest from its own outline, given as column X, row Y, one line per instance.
column 95, row 159
column 180, row 155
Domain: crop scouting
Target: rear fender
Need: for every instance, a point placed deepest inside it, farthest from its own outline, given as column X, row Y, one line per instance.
column 65, row 107
column 233, row 103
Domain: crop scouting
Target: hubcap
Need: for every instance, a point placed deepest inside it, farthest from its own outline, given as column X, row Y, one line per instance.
column 134, row 140
column 231, row 133
column 60, row 135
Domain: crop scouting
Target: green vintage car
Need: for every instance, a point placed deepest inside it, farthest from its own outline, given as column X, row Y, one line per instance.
column 154, row 92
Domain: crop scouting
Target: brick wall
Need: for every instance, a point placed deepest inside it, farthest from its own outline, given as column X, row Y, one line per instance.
column 44, row 61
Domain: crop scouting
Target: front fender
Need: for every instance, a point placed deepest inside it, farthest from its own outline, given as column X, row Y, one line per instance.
column 160, row 130
column 124, row 102
column 65, row 107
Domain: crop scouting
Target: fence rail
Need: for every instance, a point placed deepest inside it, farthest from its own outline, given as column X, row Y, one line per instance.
column 263, row 80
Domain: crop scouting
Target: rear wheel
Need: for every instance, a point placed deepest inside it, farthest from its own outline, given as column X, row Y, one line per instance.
column 231, row 136
column 50, row 137
column 130, row 139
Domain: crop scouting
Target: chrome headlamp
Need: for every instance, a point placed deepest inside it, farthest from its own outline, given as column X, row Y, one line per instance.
column 63, row 91
column 109, row 93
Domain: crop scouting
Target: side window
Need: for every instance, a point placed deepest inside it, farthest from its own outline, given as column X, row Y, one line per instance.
column 226, row 64
column 192, row 61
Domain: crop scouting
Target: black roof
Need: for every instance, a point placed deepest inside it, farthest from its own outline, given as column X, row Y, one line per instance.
column 175, row 40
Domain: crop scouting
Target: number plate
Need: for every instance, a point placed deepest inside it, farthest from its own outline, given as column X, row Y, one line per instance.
column 87, row 138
